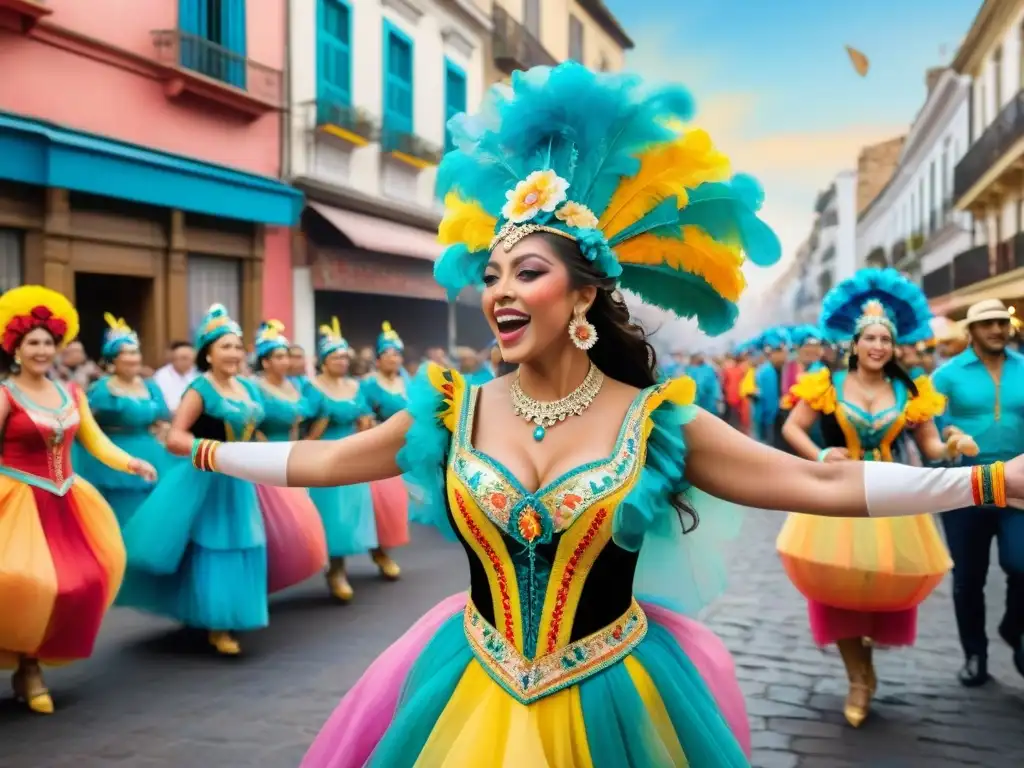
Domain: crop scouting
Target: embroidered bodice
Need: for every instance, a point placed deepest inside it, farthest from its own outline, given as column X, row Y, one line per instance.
column 341, row 415
column 37, row 441
column 552, row 572
column 118, row 412
column 383, row 402
column 865, row 434
column 227, row 419
column 281, row 416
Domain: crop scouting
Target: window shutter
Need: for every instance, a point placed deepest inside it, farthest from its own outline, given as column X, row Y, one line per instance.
column 234, row 36
column 213, row 280
column 11, row 259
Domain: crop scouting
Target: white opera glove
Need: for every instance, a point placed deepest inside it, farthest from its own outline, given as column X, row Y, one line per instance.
column 894, row 490
column 263, row 463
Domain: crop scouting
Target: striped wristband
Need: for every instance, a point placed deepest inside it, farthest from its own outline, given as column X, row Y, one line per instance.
column 988, row 484
column 204, row 453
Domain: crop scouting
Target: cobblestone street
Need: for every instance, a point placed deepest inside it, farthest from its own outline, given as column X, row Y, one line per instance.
column 154, row 698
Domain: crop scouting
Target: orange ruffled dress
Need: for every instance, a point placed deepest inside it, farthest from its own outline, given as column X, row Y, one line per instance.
column 61, row 554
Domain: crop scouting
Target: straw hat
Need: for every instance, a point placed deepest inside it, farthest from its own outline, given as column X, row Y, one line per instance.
column 989, row 309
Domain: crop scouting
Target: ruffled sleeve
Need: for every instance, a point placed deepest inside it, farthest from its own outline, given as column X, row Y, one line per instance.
column 816, row 390
column 928, row 404
column 683, row 571
column 434, row 399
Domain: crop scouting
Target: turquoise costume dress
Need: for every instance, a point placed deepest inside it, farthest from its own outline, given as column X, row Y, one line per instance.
column 282, row 418
column 128, row 421
column 207, row 549
column 390, row 497
column 347, row 512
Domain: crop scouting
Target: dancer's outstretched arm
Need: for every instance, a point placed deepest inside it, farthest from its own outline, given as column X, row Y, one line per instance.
column 730, row 465
column 359, row 458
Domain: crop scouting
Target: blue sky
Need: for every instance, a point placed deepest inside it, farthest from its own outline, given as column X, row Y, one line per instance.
column 774, row 85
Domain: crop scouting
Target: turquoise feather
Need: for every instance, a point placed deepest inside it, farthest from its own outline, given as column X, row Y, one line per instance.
column 904, row 303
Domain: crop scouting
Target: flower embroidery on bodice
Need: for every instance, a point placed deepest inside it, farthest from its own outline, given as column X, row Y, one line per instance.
column 553, row 508
column 37, row 440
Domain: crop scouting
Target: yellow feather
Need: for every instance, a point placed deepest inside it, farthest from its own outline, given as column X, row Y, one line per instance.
column 336, row 326
column 466, row 223
column 666, row 170
column 110, row 320
column 696, row 253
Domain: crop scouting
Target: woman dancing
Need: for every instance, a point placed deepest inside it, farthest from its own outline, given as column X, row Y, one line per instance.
column 340, row 410
column 207, row 550
column 285, row 407
column 568, row 482
column 61, row 556
column 132, row 411
column 864, row 579
column 385, row 392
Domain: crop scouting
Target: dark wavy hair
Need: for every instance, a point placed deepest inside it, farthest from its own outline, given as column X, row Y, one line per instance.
column 622, row 352
column 892, row 369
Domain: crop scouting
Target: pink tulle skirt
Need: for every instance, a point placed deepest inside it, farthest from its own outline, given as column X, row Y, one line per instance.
column 357, row 725
column 892, row 628
column 296, row 544
column 391, row 510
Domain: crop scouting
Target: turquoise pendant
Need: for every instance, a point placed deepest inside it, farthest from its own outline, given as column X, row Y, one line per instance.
column 538, row 433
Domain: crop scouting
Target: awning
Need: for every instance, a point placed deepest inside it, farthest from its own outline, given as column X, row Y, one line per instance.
column 47, row 155
column 376, row 234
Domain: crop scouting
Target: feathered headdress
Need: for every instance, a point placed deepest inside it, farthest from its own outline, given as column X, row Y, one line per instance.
column 877, row 297
column 388, row 339
column 800, row 335
column 331, row 340
column 774, row 338
column 601, row 160
column 215, row 323
column 117, row 336
column 28, row 307
column 270, row 336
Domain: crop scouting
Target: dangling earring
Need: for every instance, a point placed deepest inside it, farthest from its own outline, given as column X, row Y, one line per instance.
column 582, row 333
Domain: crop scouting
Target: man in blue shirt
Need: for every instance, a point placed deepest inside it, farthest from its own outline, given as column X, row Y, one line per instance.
column 768, row 414
column 985, row 388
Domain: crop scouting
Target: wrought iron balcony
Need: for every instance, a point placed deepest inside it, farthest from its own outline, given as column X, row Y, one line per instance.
column 203, row 69
column 938, row 282
column 352, row 124
column 409, row 148
column 971, row 266
column 514, row 46
column 995, row 142
column 25, row 13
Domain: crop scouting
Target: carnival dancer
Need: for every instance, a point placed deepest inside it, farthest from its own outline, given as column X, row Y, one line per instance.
column 61, row 555
column 385, row 392
column 206, row 550
column 562, row 480
column 734, row 370
column 132, row 412
column 339, row 410
column 984, row 385
column 285, row 406
column 864, row 579
column 767, row 411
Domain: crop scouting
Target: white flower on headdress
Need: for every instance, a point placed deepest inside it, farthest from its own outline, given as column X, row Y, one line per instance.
column 577, row 216
column 540, row 191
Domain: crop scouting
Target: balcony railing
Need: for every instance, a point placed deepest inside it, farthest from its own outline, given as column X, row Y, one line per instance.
column 995, row 142
column 191, row 53
column 406, row 144
column 970, row 267
column 355, row 121
column 939, row 282
column 877, row 257
column 899, row 251
column 514, row 46
column 26, row 13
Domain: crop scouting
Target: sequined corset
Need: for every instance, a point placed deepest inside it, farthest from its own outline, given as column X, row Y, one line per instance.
column 37, row 441
column 551, row 593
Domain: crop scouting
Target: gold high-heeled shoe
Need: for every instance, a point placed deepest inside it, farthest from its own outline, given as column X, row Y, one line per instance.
column 860, row 672
column 337, row 582
column 225, row 644
column 388, row 568
column 27, row 684
column 858, row 704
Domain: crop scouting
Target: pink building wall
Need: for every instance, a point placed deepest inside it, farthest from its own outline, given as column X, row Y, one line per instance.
column 90, row 66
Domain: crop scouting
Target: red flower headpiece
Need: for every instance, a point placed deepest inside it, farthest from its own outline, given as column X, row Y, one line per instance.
column 39, row 317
